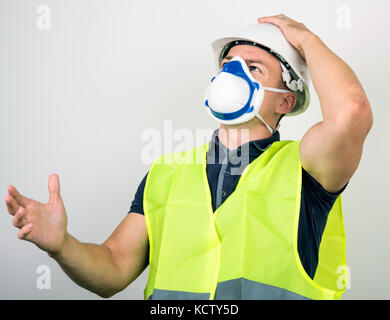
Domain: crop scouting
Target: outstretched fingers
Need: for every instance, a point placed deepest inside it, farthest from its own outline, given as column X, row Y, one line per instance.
column 20, row 200
column 25, row 231
column 16, row 206
column 12, row 206
column 54, row 188
column 19, row 219
column 277, row 20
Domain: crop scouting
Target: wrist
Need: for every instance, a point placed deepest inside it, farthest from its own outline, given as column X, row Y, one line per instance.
column 308, row 38
column 60, row 251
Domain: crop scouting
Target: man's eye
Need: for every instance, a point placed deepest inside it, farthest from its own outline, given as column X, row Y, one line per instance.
column 253, row 68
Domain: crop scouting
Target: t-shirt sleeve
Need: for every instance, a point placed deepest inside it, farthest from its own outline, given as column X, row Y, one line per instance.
column 316, row 203
column 137, row 206
column 313, row 187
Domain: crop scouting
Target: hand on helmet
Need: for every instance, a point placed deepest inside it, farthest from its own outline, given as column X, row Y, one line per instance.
column 295, row 32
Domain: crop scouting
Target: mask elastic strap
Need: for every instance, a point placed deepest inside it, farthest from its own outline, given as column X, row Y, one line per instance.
column 261, row 118
column 268, row 127
column 278, row 90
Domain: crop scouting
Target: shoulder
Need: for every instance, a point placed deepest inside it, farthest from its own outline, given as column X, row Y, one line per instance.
column 137, row 203
column 313, row 190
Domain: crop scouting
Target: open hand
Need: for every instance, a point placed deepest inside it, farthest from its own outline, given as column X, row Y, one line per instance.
column 43, row 224
column 295, row 32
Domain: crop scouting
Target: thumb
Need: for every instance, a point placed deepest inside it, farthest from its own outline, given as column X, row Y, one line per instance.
column 54, row 188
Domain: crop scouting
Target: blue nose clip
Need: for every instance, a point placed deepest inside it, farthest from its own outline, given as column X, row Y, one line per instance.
column 236, row 68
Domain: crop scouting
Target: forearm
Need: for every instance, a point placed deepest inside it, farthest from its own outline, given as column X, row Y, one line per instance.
column 337, row 86
column 89, row 265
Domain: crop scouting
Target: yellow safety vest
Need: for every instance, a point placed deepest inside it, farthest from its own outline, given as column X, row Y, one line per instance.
column 247, row 248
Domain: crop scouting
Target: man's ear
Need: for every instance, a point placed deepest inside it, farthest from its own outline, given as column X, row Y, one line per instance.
column 288, row 102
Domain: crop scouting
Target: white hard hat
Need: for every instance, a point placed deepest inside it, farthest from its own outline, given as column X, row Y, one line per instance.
column 295, row 72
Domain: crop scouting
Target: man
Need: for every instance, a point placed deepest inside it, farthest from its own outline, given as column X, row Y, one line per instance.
column 225, row 236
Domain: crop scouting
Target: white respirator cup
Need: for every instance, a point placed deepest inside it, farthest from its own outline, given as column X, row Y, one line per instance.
column 234, row 96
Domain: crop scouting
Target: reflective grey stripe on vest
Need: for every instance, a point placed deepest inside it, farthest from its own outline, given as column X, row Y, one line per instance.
column 244, row 289
column 159, row 294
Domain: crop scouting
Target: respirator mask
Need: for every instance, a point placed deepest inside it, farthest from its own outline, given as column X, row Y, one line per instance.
column 234, row 96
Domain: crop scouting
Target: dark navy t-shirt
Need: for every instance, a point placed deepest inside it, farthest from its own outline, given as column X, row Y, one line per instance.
column 224, row 168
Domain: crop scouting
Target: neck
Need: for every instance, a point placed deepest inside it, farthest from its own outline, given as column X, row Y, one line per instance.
column 234, row 136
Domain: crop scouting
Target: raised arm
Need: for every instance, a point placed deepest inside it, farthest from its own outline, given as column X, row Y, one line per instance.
column 330, row 150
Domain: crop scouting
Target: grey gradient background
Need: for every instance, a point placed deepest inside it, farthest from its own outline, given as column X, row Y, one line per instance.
column 75, row 99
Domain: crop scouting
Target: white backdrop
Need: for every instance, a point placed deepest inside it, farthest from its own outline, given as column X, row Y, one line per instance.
column 78, row 90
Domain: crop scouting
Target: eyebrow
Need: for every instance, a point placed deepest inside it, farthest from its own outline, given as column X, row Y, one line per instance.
column 248, row 61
